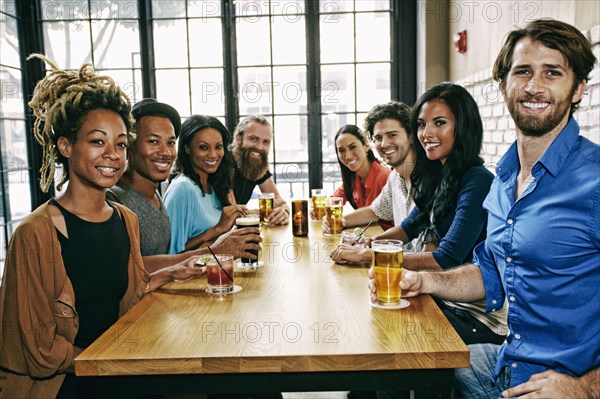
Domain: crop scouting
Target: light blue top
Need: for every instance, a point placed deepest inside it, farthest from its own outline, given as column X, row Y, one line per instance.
column 542, row 253
column 191, row 212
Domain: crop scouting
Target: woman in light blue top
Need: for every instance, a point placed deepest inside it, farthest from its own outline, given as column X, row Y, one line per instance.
column 199, row 200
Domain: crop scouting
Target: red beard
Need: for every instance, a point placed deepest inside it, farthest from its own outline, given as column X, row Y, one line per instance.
column 250, row 168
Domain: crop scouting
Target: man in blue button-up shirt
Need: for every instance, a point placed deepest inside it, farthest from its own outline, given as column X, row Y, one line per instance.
column 542, row 251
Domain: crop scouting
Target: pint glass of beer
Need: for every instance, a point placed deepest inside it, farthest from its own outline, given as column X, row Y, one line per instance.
column 249, row 221
column 387, row 264
column 266, row 202
column 319, row 200
column 299, row 218
column 333, row 210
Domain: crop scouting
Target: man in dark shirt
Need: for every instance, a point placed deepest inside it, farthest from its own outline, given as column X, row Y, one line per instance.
column 250, row 149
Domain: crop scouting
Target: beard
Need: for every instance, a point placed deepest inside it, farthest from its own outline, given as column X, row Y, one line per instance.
column 250, row 168
column 537, row 125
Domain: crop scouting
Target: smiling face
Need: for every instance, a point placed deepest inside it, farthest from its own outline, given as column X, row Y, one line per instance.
column 154, row 150
column 352, row 153
column 256, row 142
column 97, row 158
column 251, row 152
column 539, row 88
column 391, row 142
column 436, row 129
column 206, row 151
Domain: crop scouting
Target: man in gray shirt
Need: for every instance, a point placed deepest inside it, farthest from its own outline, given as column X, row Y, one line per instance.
column 149, row 162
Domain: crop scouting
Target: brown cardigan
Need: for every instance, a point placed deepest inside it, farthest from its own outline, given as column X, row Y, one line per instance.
column 37, row 305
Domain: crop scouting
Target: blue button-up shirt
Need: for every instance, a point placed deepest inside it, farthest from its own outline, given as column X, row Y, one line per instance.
column 542, row 253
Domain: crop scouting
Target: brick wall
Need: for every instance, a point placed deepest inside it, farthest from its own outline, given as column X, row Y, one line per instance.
column 497, row 123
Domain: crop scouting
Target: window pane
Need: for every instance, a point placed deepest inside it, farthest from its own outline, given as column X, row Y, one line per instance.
column 255, row 90
column 170, row 43
column 289, row 40
column 251, row 9
column 208, row 95
column 116, row 9
column 67, row 10
column 373, row 85
column 253, row 41
column 337, row 26
column 289, row 87
column 68, row 43
column 332, row 177
column 328, row 6
column 15, row 167
column 115, row 43
column 338, row 91
column 288, row 8
column 291, row 138
column 204, row 8
column 168, row 8
column 11, row 105
column 173, row 88
column 373, row 37
column 129, row 80
column 372, row 5
column 8, row 7
column 9, row 41
column 205, row 52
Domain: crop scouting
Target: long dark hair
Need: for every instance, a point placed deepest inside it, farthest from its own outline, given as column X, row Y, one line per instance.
column 433, row 186
column 222, row 180
column 348, row 176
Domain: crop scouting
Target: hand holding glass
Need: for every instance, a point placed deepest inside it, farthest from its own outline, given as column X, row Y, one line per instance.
column 249, row 221
column 266, row 203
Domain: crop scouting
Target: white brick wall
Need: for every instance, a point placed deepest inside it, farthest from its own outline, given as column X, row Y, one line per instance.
column 499, row 126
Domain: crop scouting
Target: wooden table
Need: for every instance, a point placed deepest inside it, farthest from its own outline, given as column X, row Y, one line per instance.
column 300, row 323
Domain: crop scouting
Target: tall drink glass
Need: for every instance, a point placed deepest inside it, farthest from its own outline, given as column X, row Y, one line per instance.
column 319, row 200
column 249, row 221
column 266, row 202
column 387, row 265
column 333, row 210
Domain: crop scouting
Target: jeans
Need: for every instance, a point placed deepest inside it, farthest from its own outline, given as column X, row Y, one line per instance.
column 476, row 381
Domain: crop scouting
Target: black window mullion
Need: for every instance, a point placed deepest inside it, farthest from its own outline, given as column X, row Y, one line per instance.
column 147, row 48
column 313, row 87
column 230, row 80
column 31, row 40
column 404, row 51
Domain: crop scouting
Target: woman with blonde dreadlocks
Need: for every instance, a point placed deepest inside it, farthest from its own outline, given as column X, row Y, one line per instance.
column 73, row 266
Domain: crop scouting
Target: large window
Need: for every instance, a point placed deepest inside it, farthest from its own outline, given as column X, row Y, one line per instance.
column 14, row 177
column 309, row 66
column 103, row 33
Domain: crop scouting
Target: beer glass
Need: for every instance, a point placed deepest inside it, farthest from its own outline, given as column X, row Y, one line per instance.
column 266, row 203
column 387, row 265
column 319, row 200
column 299, row 218
column 249, row 221
column 220, row 280
column 333, row 210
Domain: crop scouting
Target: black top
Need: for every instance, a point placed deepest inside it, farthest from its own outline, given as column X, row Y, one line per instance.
column 243, row 188
column 95, row 257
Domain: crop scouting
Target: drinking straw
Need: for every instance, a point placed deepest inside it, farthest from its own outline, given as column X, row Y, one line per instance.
column 219, row 263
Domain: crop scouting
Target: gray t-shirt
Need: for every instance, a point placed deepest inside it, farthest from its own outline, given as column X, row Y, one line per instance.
column 154, row 223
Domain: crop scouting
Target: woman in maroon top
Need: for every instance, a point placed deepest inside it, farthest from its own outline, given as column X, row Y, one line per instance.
column 363, row 177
